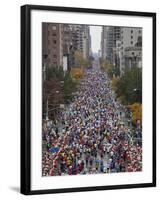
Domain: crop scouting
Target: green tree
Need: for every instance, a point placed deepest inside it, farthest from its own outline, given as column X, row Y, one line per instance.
column 58, row 80
column 52, row 97
column 130, row 86
column 55, row 73
column 69, row 87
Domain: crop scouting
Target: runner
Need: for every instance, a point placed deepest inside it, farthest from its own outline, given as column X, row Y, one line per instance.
column 95, row 137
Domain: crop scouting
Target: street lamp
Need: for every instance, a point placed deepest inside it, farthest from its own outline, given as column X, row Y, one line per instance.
column 45, row 56
column 47, row 110
column 137, row 93
column 135, row 89
column 62, row 83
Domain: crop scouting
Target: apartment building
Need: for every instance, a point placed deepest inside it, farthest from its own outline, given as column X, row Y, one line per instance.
column 131, row 48
column 122, row 47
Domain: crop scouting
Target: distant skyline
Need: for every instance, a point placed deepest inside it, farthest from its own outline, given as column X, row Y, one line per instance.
column 95, row 32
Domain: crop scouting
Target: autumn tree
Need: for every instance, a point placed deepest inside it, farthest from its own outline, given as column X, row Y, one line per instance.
column 136, row 110
column 80, row 61
column 114, row 83
column 108, row 68
column 76, row 73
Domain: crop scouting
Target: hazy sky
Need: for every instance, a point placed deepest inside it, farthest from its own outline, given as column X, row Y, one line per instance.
column 95, row 32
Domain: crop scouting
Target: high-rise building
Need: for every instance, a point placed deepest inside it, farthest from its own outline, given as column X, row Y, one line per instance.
column 60, row 41
column 68, row 50
column 103, row 43
column 131, row 48
column 122, row 47
column 52, row 48
column 81, row 39
column 108, row 42
column 86, row 47
column 57, row 44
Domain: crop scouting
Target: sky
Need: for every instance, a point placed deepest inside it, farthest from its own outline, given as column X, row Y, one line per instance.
column 95, row 32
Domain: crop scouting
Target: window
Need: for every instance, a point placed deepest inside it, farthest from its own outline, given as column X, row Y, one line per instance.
column 131, row 36
column 131, row 42
column 131, row 31
column 54, row 41
column 54, row 34
column 54, row 28
column 140, row 31
column 65, row 29
column 54, row 56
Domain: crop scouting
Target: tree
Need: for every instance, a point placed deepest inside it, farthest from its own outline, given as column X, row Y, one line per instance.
column 55, row 73
column 69, row 87
column 76, row 73
column 136, row 109
column 58, row 80
column 130, row 86
column 114, row 83
column 52, row 97
column 108, row 68
column 80, row 61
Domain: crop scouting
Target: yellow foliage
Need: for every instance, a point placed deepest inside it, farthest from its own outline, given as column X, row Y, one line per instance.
column 76, row 73
column 136, row 109
column 104, row 64
column 107, row 67
column 80, row 61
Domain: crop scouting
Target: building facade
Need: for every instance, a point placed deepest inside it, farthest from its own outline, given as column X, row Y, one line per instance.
column 108, row 42
column 122, row 47
column 131, row 48
column 60, row 41
column 52, row 44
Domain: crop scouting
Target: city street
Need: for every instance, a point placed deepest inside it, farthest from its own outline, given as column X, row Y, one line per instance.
column 95, row 134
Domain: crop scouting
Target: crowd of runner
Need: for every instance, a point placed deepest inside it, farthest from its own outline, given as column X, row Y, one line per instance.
column 96, row 136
